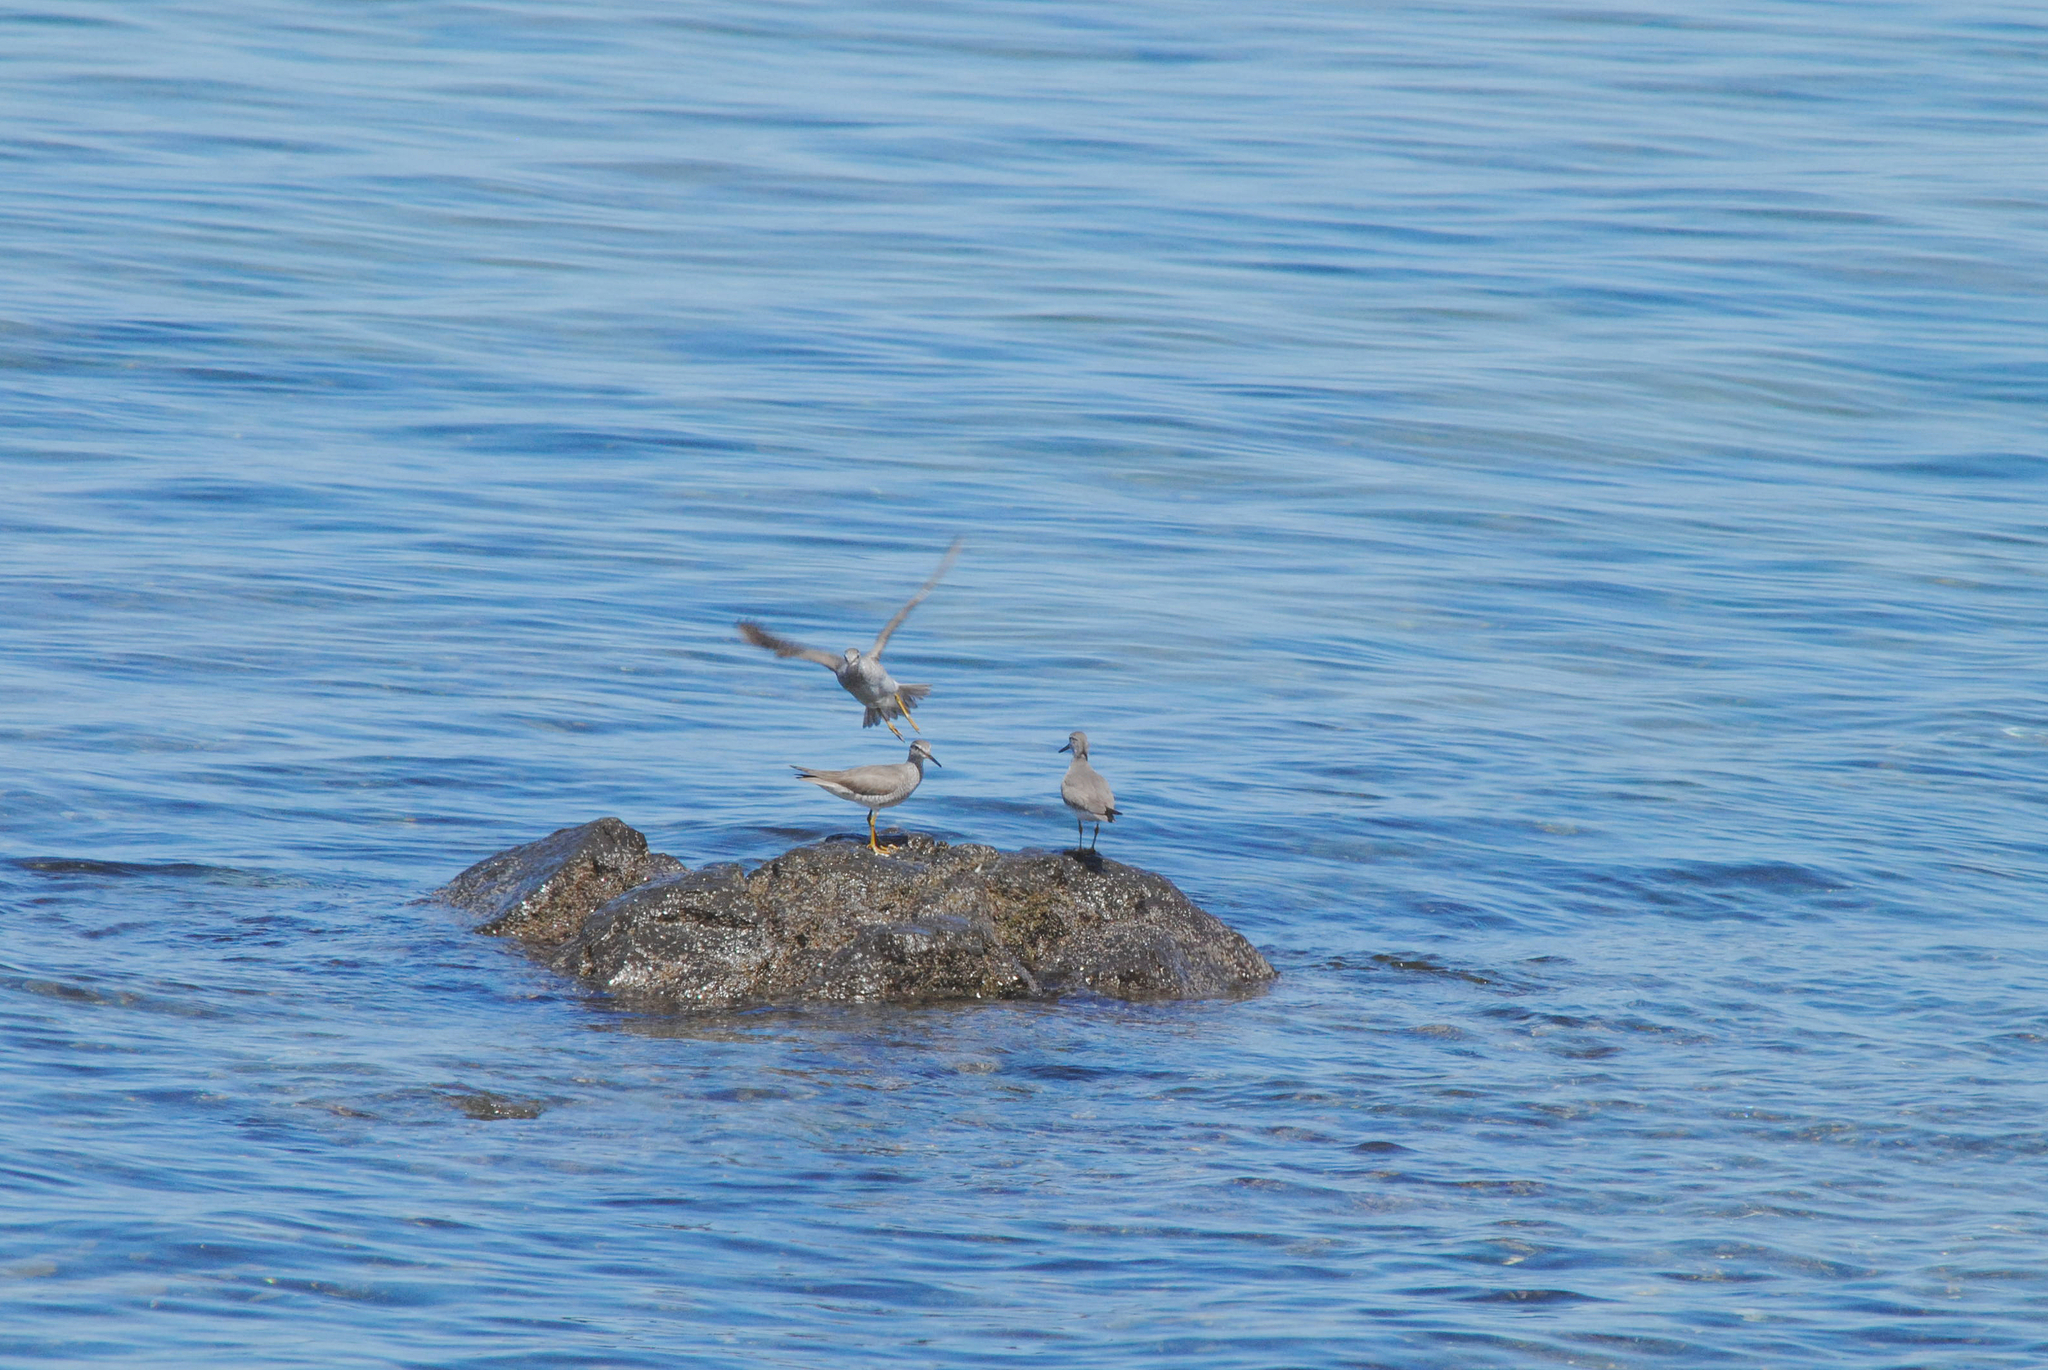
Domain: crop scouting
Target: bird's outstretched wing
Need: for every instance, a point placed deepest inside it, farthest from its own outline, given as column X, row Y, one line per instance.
column 782, row 646
column 945, row 565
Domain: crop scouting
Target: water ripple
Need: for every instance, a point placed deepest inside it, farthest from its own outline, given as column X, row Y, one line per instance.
column 1533, row 505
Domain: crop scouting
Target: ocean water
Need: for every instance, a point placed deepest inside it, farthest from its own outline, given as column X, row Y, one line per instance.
column 1540, row 510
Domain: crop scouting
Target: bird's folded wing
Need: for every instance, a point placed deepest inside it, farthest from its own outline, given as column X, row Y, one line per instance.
column 1090, row 792
column 869, row 780
column 945, row 565
column 782, row 646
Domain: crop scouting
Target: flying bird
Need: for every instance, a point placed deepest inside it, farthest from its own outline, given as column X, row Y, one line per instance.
column 862, row 673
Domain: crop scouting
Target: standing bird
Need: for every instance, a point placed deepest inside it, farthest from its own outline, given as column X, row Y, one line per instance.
column 1085, row 791
column 862, row 673
column 876, row 787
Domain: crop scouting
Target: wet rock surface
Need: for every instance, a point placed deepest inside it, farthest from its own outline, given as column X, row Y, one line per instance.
column 541, row 892
column 834, row 922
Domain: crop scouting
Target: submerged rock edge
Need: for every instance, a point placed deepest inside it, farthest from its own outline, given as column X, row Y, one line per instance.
column 832, row 922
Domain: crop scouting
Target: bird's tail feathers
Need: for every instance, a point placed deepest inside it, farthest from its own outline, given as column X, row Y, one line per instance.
column 913, row 694
column 879, row 713
column 1112, row 814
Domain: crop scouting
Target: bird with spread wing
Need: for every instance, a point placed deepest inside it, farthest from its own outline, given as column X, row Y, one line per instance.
column 862, row 673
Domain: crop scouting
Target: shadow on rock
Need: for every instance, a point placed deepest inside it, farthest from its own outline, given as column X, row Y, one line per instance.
column 833, row 922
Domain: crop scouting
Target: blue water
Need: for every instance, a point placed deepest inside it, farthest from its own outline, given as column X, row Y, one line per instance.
column 1541, row 510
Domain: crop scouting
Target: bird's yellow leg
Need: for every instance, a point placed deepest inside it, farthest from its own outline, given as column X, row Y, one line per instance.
column 892, row 728
column 872, row 845
column 906, row 713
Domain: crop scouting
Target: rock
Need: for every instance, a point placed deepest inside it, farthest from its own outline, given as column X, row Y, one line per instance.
column 834, row 922
column 542, row 892
column 487, row 1107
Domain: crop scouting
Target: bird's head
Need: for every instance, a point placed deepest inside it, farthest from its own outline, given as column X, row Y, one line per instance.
column 852, row 655
column 1077, row 743
column 921, row 750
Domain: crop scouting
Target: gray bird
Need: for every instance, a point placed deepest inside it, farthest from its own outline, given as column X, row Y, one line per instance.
column 862, row 673
column 875, row 787
column 1085, row 791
